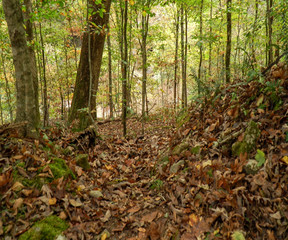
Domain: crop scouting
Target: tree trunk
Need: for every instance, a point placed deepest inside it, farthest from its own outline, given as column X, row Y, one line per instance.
column 80, row 99
column 26, row 103
column 124, row 68
column 228, row 45
column 45, row 90
column 32, row 55
column 269, row 28
column 145, row 28
column 176, row 58
column 201, row 41
column 210, row 43
column 184, row 101
column 110, row 73
column 7, row 88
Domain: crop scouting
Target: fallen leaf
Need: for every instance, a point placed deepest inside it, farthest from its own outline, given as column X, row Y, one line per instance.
column 27, row 192
column 193, row 220
column 134, row 209
column 17, row 204
column 62, row 215
column 75, row 203
column 285, row 159
column 106, row 217
column 276, row 215
column 149, row 217
column 52, row 201
column 1, row 228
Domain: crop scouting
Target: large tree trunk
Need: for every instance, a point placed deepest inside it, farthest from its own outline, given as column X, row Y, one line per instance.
column 228, row 45
column 26, row 101
column 81, row 93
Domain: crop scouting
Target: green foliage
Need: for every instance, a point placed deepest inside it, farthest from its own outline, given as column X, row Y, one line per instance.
column 273, row 90
column 46, row 229
column 286, row 137
column 60, row 169
column 157, row 184
column 260, row 157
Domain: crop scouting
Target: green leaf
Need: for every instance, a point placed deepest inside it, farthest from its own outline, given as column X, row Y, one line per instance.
column 260, row 157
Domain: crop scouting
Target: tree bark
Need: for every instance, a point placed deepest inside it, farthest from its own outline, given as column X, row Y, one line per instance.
column 26, row 109
column 228, row 44
column 201, row 41
column 7, row 89
column 110, row 73
column 124, row 70
column 80, row 99
column 270, row 30
column 176, row 58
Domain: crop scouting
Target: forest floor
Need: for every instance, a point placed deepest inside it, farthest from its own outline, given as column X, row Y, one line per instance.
column 217, row 171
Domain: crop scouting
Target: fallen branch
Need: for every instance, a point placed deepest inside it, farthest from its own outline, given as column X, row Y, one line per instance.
column 273, row 63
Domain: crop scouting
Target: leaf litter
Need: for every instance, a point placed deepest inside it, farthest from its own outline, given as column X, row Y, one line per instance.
column 130, row 191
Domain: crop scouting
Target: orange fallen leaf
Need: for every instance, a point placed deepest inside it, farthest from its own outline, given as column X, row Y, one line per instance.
column 52, row 201
column 193, row 220
column 134, row 209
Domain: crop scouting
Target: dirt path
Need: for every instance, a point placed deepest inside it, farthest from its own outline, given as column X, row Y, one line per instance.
column 133, row 205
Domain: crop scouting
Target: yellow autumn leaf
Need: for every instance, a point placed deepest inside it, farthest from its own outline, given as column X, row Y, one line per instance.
column 285, row 159
column 52, row 201
column 193, row 219
column 104, row 236
column 132, row 2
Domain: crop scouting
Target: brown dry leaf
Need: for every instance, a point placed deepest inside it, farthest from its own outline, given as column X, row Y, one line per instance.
column 5, row 178
column 150, row 217
column 75, row 203
column 134, row 209
column 1, row 228
column 52, row 201
column 17, row 186
column 106, row 217
column 212, row 127
column 186, row 132
column 187, row 236
column 62, row 215
column 27, row 192
column 17, row 204
column 18, row 157
column 154, row 231
column 276, row 215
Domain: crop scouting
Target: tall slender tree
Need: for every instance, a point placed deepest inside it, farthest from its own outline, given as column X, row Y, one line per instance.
column 124, row 68
column 176, row 57
column 229, row 42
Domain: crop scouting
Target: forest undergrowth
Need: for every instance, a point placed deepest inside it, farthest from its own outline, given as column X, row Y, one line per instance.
column 217, row 171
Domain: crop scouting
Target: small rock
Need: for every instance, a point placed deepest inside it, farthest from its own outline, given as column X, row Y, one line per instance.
column 95, row 194
column 61, row 237
column 252, row 167
column 176, row 166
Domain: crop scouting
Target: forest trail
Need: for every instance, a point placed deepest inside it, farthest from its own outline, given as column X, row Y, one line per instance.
column 216, row 171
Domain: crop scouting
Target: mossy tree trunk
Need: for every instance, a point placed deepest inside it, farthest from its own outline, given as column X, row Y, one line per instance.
column 27, row 102
column 97, row 36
